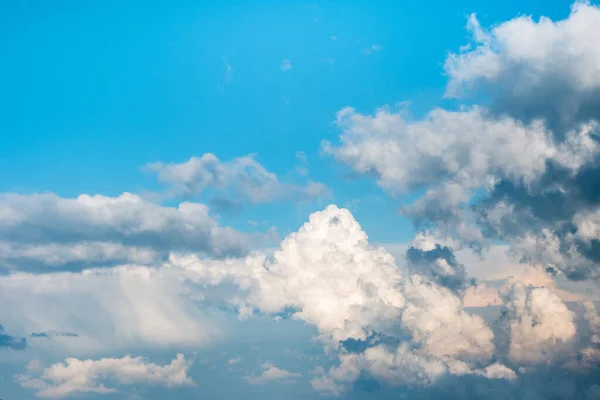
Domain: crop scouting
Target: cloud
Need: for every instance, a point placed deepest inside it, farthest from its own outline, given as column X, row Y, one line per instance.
column 372, row 49
column 11, row 342
column 328, row 275
column 77, row 377
column 529, row 70
column 270, row 373
column 406, row 329
column 439, row 265
column 233, row 361
column 108, row 309
column 448, row 147
column 47, row 231
column 488, row 175
column 539, row 324
column 286, row 65
column 242, row 179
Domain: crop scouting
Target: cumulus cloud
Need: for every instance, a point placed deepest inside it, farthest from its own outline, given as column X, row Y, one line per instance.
column 242, row 179
column 328, row 275
column 270, row 373
column 523, row 169
column 331, row 247
column 539, row 324
column 405, row 329
column 77, row 377
column 45, row 230
column 534, row 69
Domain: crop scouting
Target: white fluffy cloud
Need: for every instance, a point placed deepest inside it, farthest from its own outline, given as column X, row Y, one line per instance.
column 539, row 324
column 548, row 69
column 242, row 179
column 270, row 373
column 450, row 147
column 328, row 275
column 76, row 377
column 330, row 248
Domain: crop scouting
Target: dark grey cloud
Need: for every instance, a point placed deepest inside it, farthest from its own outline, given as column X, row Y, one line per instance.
column 439, row 265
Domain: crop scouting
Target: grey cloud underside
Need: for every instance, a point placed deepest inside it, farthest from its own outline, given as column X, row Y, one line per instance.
column 534, row 69
column 45, row 231
column 439, row 265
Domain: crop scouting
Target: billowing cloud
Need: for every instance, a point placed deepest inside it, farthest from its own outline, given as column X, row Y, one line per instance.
column 46, row 230
column 539, row 324
column 535, row 69
column 493, row 173
column 404, row 329
column 77, row 377
column 328, row 275
column 270, row 373
column 241, row 180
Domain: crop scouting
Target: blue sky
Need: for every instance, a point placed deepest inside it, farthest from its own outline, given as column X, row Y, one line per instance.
column 93, row 91
column 139, row 97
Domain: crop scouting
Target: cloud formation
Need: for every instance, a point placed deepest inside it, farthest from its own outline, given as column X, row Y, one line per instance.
column 77, row 377
column 526, row 176
column 328, row 275
column 47, row 231
column 270, row 373
column 241, row 180
column 534, row 69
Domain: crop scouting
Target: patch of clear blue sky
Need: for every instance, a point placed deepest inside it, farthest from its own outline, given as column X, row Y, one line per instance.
column 92, row 90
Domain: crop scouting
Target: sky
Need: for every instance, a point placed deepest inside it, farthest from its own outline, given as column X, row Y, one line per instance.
column 295, row 200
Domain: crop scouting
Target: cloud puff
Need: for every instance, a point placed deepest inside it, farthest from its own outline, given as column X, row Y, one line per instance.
column 270, row 373
column 286, row 65
column 242, row 179
column 532, row 70
column 46, row 230
column 77, row 377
